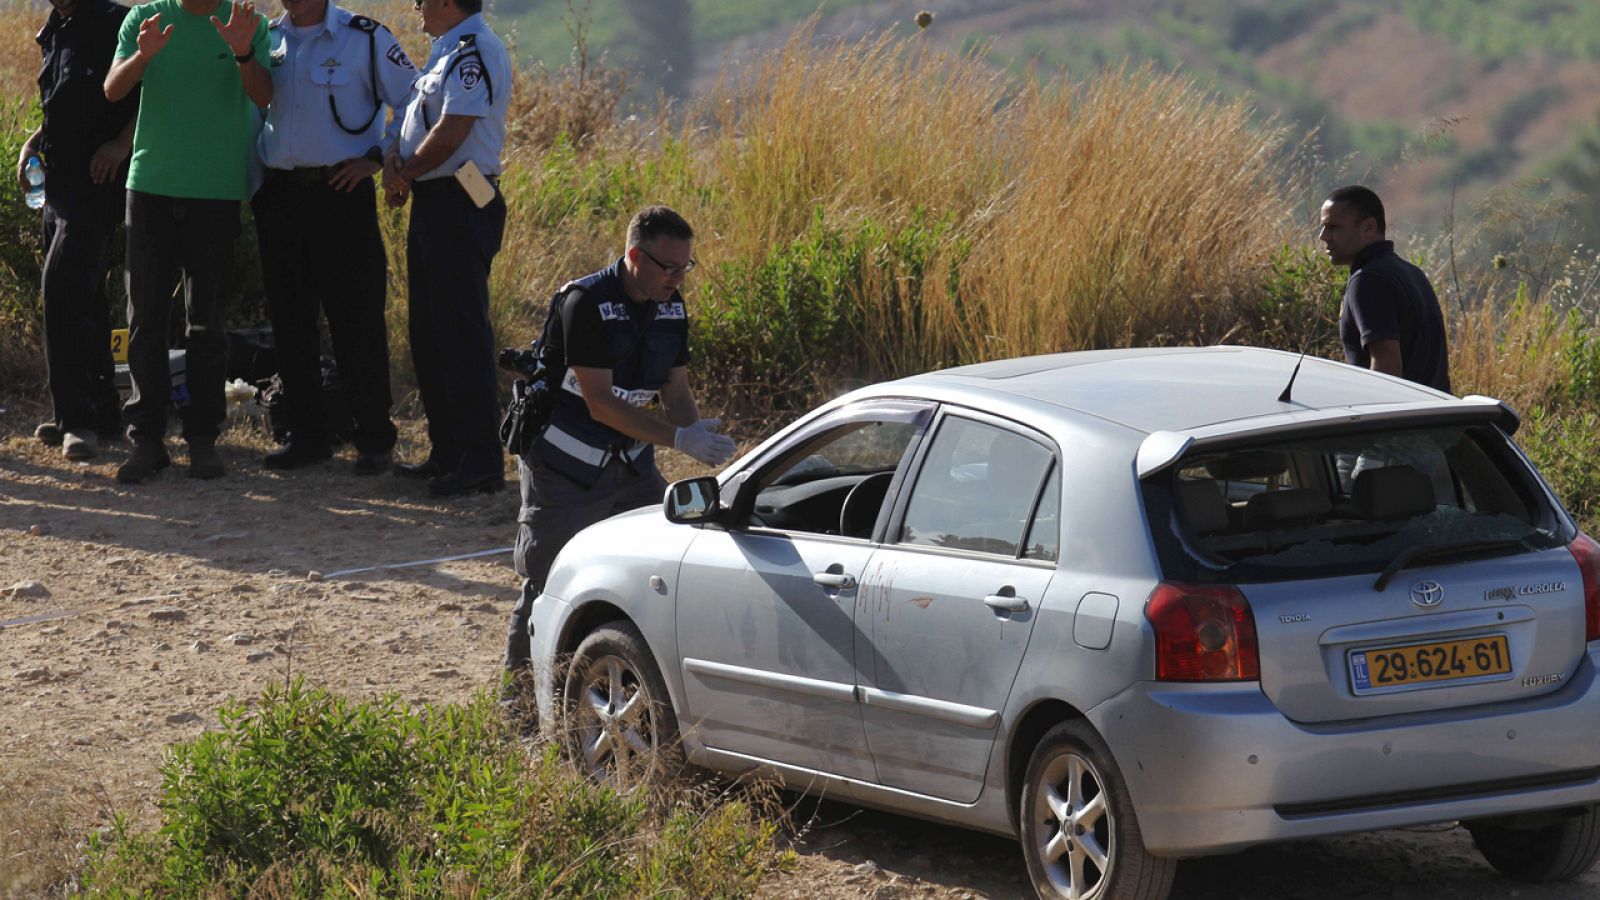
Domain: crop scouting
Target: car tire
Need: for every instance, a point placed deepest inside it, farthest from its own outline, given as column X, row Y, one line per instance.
column 1079, row 834
column 1556, row 852
column 620, row 728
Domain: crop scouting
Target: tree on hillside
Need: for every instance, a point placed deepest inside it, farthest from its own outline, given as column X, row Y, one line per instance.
column 658, row 43
column 1580, row 171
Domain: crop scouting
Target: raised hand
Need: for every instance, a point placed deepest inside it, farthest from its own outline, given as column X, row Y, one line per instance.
column 241, row 27
column 152, row 37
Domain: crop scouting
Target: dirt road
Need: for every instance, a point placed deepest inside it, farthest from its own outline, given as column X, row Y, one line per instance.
column 140, row 610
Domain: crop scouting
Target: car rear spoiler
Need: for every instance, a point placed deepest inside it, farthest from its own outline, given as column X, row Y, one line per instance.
column 1160, row 449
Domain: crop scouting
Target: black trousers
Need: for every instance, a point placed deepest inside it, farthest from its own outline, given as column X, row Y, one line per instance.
column 169, row 237
column 450, row 245
column 322, row 254
column 554, row 508
column 77, row 315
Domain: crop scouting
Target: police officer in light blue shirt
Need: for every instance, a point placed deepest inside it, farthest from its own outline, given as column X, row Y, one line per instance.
column 466, row 72
column 448, row 162
column 335, row 77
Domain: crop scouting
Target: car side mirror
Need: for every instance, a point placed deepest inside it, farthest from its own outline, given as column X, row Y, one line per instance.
column 693, row 501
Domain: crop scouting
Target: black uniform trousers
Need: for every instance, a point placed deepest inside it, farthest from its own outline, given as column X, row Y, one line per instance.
column 450, row 245
column 322, row 254
column 169, row 237
column 554, row 508
column 78, row 229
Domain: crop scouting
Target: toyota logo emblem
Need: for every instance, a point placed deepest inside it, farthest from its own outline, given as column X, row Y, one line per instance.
column 1427, row 594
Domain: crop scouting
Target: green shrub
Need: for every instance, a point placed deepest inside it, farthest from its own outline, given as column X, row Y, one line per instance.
column 1564, row 447
column 1297, row 307
column 20, row 227
column 312, row 795
column 825, row 307
column 1583, row 361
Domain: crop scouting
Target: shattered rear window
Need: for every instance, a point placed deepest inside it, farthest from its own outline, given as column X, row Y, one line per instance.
column 1344, row 504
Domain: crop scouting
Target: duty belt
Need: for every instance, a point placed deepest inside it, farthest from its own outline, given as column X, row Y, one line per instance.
column 304, row 174
column 594, row 456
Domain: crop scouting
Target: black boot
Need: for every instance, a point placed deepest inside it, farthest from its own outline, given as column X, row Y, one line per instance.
column 147, row 459
column 204, row 463
column 296, row 454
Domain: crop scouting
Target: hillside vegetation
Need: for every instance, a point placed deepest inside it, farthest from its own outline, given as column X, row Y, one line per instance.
column 1436, row 102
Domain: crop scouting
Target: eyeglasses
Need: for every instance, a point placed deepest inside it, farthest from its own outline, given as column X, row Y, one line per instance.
column 666, row 269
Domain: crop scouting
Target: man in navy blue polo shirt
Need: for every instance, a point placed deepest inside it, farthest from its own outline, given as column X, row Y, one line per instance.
column 1390, row 320
column 84, row 145
column 619, row 340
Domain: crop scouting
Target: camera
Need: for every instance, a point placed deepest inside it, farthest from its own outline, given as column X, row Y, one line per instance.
column 523, row 362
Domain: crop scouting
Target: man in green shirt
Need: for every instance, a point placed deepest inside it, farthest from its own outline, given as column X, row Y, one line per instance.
column 200, row 65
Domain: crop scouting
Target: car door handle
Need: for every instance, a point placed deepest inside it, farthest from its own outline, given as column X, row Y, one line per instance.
column 837, row 580
column 1007, row 604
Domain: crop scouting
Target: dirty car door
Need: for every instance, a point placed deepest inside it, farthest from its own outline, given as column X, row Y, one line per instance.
column 949, row 603
column 767, row 608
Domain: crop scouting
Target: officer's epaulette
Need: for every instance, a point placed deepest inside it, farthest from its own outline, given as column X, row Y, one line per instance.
column 362, row 23
column 469, row 42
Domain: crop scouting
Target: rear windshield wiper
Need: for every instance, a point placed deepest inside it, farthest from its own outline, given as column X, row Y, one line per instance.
column 1438, row 551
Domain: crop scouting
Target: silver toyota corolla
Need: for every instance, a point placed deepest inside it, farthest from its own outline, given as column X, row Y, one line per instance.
column 1126, row 606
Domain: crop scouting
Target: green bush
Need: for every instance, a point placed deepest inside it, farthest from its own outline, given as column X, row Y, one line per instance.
column 1564, row 447
column 20, row 227
column 1297, row 307
column 1583, row 361
column 805, row 316
column 312, row 795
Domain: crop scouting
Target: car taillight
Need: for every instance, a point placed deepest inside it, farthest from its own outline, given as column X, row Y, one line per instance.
column 1587, row 552
column 1203, row 633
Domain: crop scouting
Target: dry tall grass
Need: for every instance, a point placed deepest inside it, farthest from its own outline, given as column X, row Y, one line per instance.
column 1515, row 352
column 1134, row 208
column 42, row 823
column 881, row 126
column 1141, row 210
column 19, row 53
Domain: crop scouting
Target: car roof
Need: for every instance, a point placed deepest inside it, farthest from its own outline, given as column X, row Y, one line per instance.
column 1182, row 389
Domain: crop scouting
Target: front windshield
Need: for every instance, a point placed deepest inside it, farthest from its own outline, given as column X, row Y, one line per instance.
column 1345, row 504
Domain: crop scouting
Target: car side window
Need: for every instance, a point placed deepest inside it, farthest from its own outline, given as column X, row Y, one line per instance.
column 977, row 491
column 834, row 484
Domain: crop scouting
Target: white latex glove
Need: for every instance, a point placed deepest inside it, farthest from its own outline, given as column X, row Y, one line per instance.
column 702, row 442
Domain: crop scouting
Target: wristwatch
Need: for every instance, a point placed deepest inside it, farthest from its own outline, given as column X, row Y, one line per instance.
column 375, row 153
column 241, row 60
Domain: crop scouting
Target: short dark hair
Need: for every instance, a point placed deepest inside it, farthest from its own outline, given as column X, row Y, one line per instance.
column 658, row 221
column 1364, row 201
column 470, row 7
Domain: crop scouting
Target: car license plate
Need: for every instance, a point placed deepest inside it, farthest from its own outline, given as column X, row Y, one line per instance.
column 1386, row 667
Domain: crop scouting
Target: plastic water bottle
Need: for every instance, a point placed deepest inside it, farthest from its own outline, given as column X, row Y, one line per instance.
column 35, row 174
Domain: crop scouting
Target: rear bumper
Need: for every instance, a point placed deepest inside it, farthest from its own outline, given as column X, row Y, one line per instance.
column 1214, row 768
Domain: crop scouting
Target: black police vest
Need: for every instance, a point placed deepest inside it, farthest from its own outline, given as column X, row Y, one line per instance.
column 642, row 340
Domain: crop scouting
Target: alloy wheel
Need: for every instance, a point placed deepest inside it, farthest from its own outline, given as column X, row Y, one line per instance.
column 1075, row 834
column 613, row 726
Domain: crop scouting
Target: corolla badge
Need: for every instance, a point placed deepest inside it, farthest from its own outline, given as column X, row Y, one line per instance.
column 1427, row 594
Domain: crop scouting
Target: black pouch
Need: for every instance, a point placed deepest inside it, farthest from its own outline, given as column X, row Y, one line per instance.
column 532, row 398
column 527, row 414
